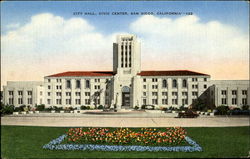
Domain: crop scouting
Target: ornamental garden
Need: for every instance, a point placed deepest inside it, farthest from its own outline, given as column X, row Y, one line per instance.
column 124, row 139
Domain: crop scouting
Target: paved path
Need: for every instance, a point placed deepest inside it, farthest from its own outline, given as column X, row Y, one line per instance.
column 122, row 121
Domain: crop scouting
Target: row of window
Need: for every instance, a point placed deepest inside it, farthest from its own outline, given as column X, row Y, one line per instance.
column 234, row 101
column 77, row 101
column 20, row 92
column 20, row 100
column 165, row 101
column 60, row 80
column 69, row 94
column 173, row 86
column 234, row 92
column 183, row 81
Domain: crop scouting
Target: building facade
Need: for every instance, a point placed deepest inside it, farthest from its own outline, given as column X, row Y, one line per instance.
column 127, row 86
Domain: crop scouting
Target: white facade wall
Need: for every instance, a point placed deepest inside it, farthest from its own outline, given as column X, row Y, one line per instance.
column 223, row 90
column 22, row 93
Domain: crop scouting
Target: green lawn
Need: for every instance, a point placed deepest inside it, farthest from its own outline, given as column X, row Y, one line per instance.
column 27, row 142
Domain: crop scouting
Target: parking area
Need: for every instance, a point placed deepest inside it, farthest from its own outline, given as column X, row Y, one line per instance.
column 121, row 120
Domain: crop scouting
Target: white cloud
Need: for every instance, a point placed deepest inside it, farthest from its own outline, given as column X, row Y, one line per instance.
column 188, row 37
column 49, row 43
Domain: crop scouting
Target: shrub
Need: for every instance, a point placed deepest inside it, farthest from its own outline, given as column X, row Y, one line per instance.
column 40, row 107
column 85, row 107
column 245, row 107
column 221, row 110
column 136, row 107
column 48, row 109
column 100, row 107
column 143, row 106
column 7, row 109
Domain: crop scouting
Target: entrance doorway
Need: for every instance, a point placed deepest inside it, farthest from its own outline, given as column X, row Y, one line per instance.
column 125, row 97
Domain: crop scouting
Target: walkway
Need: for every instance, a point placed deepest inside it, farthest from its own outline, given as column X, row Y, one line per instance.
column 152, row 120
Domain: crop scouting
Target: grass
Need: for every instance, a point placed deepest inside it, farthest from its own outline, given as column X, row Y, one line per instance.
column 27, row 142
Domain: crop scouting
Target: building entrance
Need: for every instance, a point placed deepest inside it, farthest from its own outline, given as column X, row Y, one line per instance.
column 125, row 97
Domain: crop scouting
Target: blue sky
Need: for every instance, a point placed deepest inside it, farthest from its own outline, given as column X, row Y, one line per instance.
column 228, row 12
column 215, row 40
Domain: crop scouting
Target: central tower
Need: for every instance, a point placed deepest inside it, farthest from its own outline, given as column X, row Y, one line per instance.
column 126, row 66
column 126, row 55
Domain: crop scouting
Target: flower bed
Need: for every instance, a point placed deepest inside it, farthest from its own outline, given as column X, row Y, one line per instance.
column 126, row 136
column 124, row 139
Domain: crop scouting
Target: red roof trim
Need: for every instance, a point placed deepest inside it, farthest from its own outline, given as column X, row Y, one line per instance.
column 171, row 73
column 142, row 73
column 82, row 73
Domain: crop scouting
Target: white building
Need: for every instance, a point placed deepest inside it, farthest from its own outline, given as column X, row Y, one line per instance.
column 127, row 86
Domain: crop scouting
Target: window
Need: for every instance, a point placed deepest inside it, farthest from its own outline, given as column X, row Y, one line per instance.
column 154, row 101
column 78, row 101
column 184, row 101
column 20, row 93
column 154, row 86
column 184, row 93
column 78, row 84
column 184, row 83
column 68, row 101
column 87, row 101
column 29, row 100
column 144, row 101
column 194, row 86
column 41, row 93
column 205, row 86
column 58, row 101
column 174, row 83
column 144, row 86
column 48, row 93
column 78, row 93
column 68, row 93
column 68, row 84
column 174, row 101
column 234, row 92
column 48, row 101
column 29, row 92
column 58, row 93
column 144, row 93
column 49, row 80
column 87, row 84
column 87, row 93
column 97, row 87
column 97, row 80
column 11, row 92
column 11, row 100
column 164, row 93
column 20, row 100
column 244, row 92
column 174, row 93
column 165, row 101
column 234, row 101
column 154, row 79
column 144, row 80
column 205, row 79
column 223, row 101
column 154, row 94
column 164, row 83
column 49, row 86
column 97, row 101
column 194, row 79
column 244, row 101
column 223, row 92
column 195, row 93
